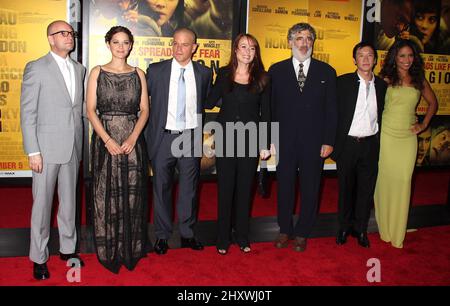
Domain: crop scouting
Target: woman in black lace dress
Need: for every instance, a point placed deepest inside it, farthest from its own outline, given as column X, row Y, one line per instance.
column 116, row 93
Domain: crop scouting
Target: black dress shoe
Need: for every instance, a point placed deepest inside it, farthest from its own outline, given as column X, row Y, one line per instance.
column 341, row 237
column 66, row 257
column 40, row 271
column 300, row 244
column 161, row 246
column 191, row 243
column 362, row 238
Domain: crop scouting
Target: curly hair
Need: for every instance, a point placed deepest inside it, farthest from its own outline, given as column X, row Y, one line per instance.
column 258, row 78
column 416, row 71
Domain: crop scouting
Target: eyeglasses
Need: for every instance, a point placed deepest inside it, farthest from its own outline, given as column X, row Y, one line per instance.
column 67, row 33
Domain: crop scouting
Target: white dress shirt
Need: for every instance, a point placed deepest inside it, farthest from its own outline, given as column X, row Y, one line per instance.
column 191, row 96
column 306, row 65
column 67, row 70
column 365, row 118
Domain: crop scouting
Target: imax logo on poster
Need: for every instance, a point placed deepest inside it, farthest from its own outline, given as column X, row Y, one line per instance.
column 7, row 173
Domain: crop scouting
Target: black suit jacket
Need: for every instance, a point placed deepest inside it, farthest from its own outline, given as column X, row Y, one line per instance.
column 347, row 94
column 158, row 82
column 308, row 118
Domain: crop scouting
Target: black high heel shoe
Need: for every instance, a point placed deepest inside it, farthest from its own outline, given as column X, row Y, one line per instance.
column 222, row 251
column 245, row 249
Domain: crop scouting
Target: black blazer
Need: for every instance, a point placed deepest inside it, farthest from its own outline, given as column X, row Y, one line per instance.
column 239, row 104
column 347, row 94
column 308, row 118
column 158, row 82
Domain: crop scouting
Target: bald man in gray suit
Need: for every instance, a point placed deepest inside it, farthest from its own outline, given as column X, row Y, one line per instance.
column 51, row 120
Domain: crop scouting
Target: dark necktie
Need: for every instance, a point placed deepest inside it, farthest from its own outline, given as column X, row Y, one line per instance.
column 181, row 102
column 301, row 77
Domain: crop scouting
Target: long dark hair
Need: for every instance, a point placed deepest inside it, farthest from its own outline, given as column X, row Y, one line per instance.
column 416, row 71
column 258, row 77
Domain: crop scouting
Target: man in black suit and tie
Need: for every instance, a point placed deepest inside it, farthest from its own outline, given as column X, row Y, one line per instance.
column 360, row 105
column 304, row 104
column 177, row 89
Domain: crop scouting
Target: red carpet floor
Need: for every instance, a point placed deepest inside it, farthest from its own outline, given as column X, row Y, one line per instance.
column 429, row 187
column 425, row 260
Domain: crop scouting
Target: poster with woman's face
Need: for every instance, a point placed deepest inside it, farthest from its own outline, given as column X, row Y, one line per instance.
column 210, row 19
column 425, row 22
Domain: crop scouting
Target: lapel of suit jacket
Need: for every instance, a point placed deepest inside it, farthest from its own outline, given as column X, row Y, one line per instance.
column 291, row 69
column 78, row 84
column 378, row 86
column 198, row 85
column 165, row 82
column 354, row 90
column 312, row 74
column 56, row 72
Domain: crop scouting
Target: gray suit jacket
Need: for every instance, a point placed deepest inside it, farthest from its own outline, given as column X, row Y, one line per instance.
column 50, row 123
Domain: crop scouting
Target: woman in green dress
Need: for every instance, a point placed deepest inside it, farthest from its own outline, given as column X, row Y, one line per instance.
column 403, row 71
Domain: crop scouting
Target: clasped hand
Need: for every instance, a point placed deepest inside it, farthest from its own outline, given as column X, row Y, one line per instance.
column 126, row 148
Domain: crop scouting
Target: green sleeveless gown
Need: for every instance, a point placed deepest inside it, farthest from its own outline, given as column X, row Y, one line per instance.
column 398, row 151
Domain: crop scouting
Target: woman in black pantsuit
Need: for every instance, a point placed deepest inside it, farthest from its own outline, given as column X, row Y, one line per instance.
column 243, row 89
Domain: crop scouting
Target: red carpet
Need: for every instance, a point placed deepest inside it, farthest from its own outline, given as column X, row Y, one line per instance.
column 425, row 260
column 428, row 188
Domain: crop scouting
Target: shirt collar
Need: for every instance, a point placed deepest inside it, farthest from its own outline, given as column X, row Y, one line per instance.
column 59, row 59
column 176, row 65
column 306, row 62
column 361, row 80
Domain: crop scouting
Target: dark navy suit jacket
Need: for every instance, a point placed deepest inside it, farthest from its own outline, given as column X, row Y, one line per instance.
column 158, row 82
column 307, row 119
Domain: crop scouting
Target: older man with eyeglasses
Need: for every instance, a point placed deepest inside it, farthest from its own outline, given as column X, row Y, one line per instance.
column 51, row 121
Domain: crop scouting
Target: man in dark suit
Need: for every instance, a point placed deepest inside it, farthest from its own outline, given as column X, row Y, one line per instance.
column 304, row 104
column 177, row 89
column 360, row 105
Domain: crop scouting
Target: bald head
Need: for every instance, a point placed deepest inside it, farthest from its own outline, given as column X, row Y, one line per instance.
column 61, row 37
column 186, row 31
column 56, row 25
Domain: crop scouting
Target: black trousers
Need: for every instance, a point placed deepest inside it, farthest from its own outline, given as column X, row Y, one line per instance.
column 306, row 159
column 235, row 177
column 357, row 168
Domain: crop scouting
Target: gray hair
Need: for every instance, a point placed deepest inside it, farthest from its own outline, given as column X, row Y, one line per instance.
column 296, row 28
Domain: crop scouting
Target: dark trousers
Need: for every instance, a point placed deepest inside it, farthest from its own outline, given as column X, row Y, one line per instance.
column 235, row 177
column 309, row 164
column 163, row 166
column 357, row 168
